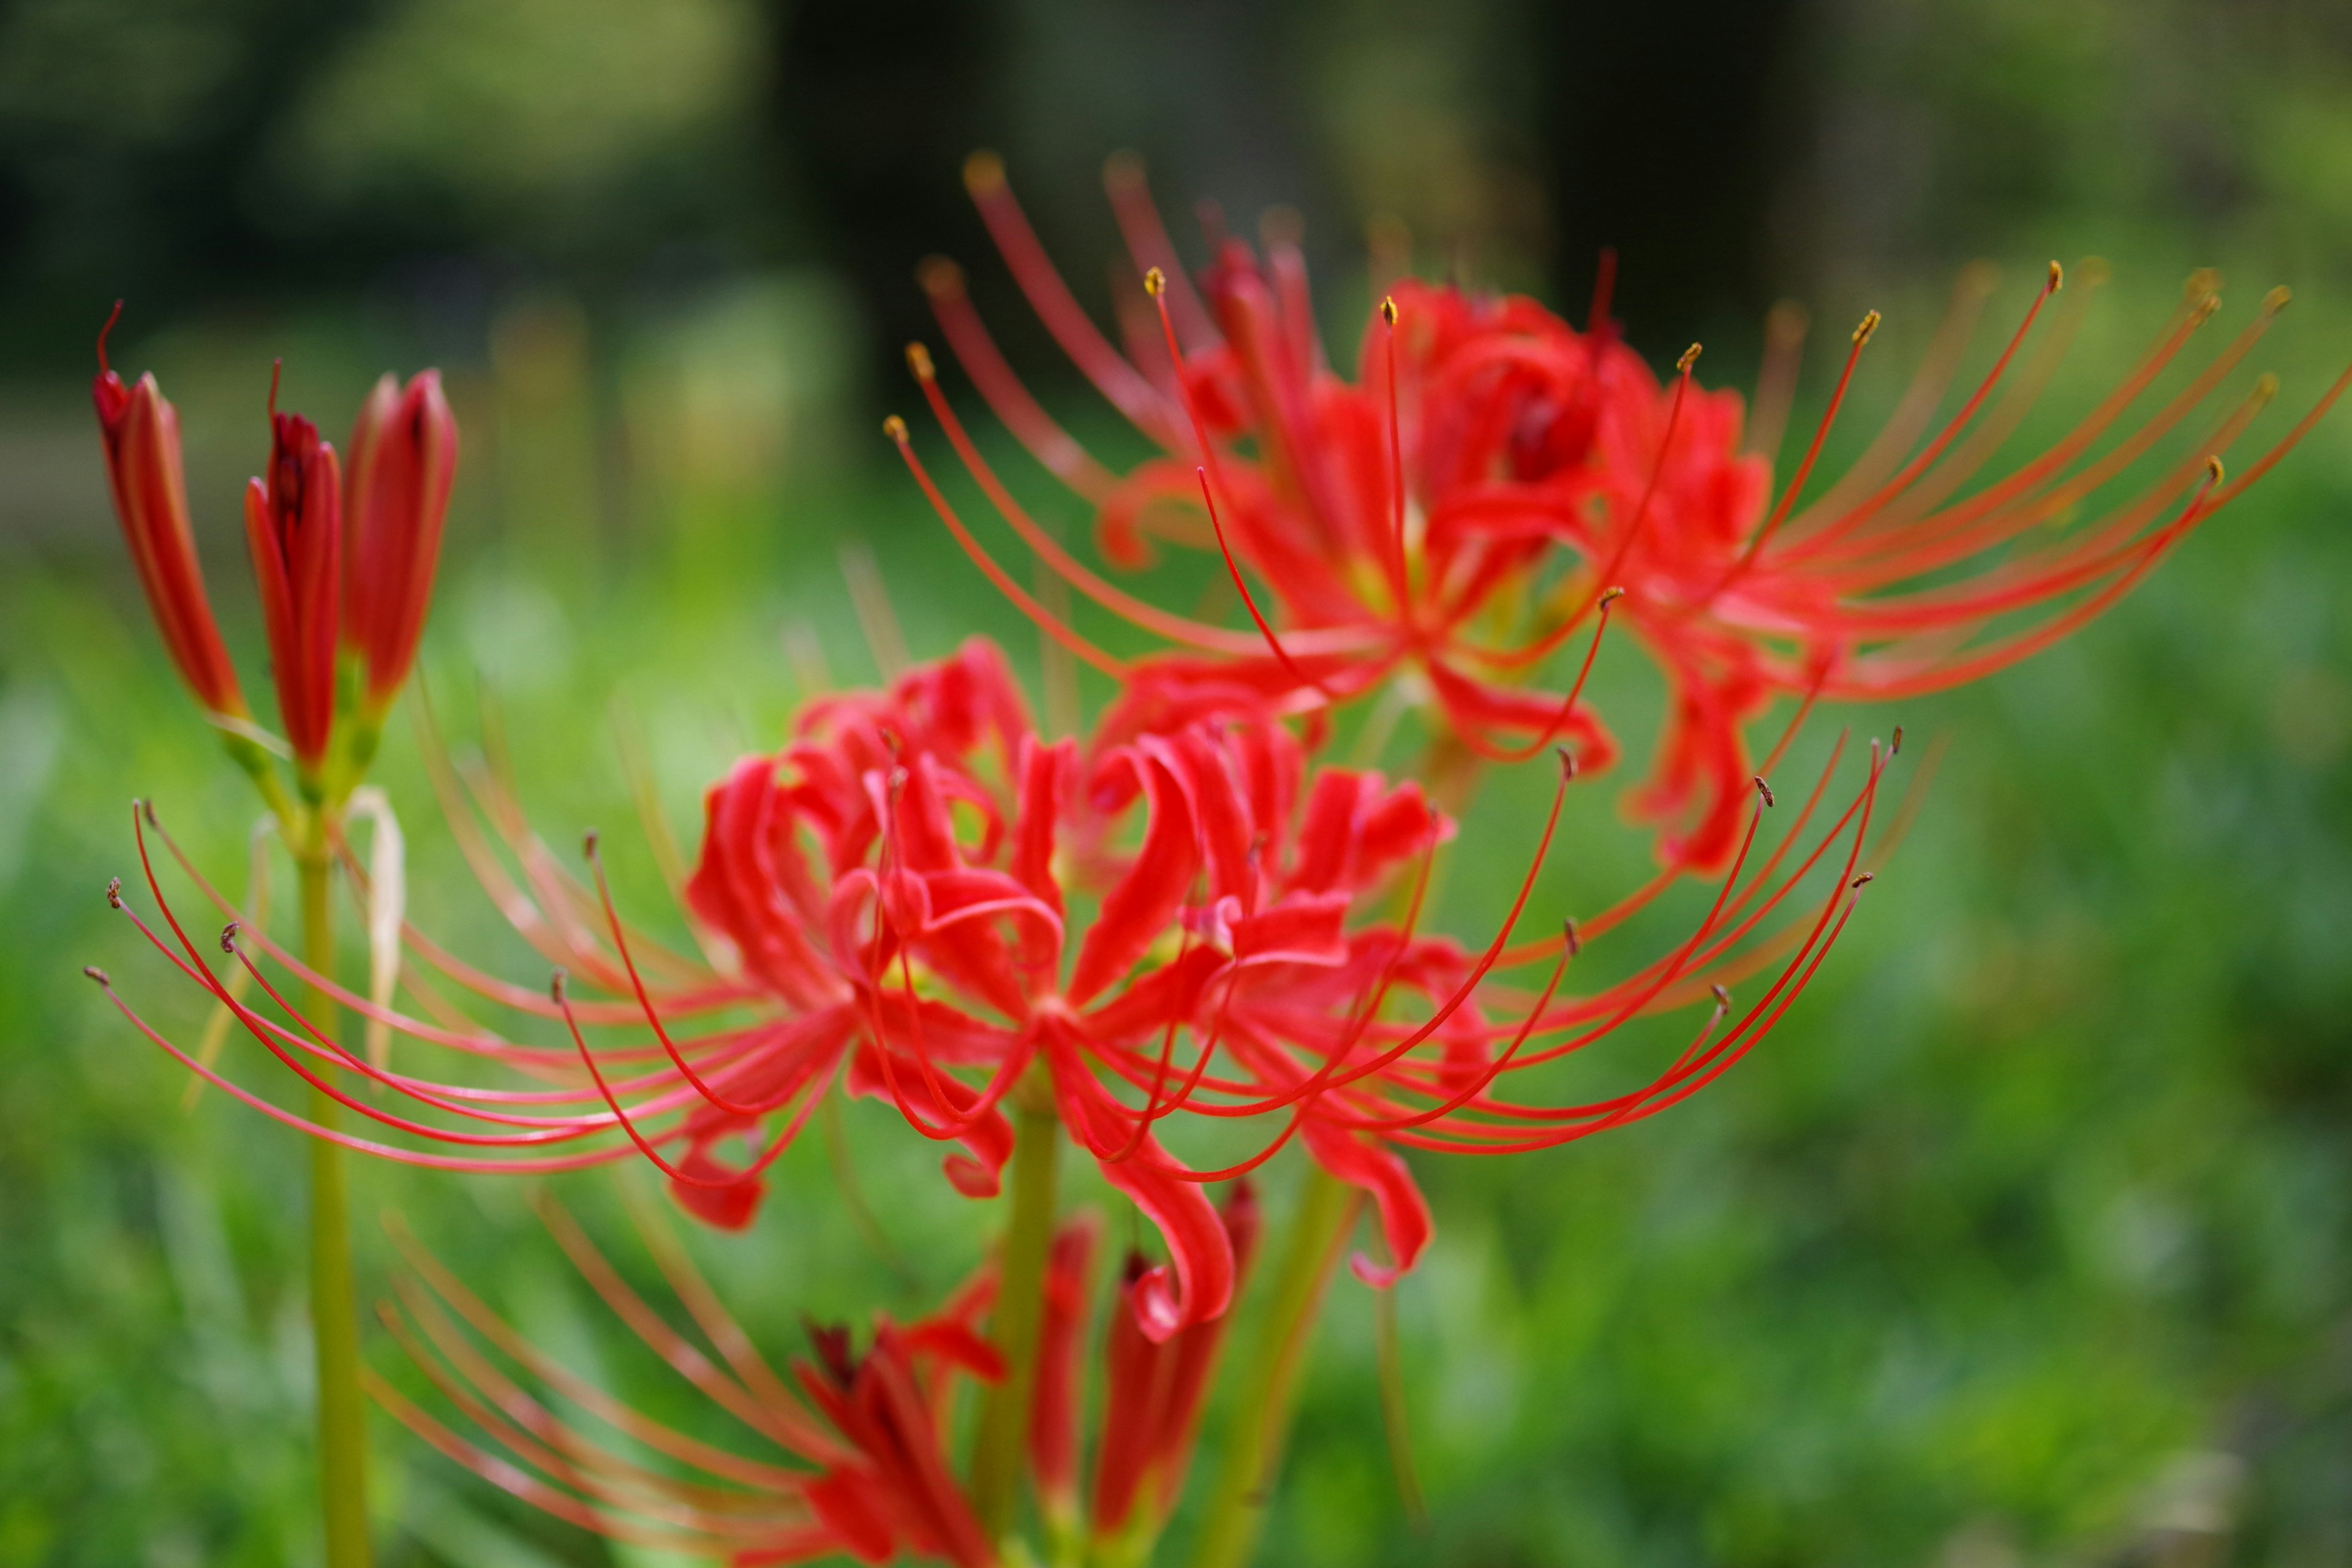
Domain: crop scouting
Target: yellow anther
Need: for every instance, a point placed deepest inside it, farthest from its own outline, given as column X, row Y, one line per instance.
column 2265, row 388
column 1387, row 309
column 2057, row 278
column 918, row 360
column 1869, row 325
column 2201, row 282
column 2213, row 470
column 895, row 429
column 2276, row 300
column 1690, row 358
column 983, row 171
column 1154, row 280
column 939, row 276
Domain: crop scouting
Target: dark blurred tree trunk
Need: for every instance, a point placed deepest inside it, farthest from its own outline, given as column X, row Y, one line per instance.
column 1671, row 132
column 875, row 107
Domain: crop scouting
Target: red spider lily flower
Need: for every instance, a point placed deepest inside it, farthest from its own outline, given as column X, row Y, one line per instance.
column 141, row 434
column 890, row 895
column 1338, row 498
column 1153, row 1396
column 1904, row 576
column 864, row 1477
column 294, row 526
column 404, row 459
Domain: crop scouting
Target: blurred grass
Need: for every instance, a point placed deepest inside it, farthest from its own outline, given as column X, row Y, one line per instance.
column 2024, row 1241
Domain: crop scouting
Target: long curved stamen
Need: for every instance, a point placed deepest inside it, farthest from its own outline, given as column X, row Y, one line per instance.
column 1117, row 600
column 1151, row 1111
column 976, row 351
column 1861, row 336
column 783, row 1139
column 984, row 176
column 895, row 429
column 1329, row 1076
column 1400, row 582
column 1493, row 753
column 1496, row 1068
column 1605, row 581
column 621, row 944
column 1862, row 511
column 1250, row 602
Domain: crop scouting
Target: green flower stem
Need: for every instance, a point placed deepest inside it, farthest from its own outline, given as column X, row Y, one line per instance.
column 334, row 1298
column 996, row 1460
column 1269, row 1385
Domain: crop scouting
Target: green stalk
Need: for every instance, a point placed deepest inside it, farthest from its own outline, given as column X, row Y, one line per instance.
column 996, row 1460
column 334, row 1297
column 1327, row 1208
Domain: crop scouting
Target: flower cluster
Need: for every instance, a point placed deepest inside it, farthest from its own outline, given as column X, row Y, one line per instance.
column 861, row 1432
column 1458, row 513
column 342, row 561
column 1183, row 939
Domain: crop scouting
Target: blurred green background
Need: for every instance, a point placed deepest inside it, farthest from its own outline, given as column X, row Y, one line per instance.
column 2028, row 1240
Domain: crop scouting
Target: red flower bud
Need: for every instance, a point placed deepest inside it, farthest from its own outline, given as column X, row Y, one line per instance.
column 141, row 433
column 404, row 458
column 293, row 521
column 1153, row 1393
column 1054, row 1407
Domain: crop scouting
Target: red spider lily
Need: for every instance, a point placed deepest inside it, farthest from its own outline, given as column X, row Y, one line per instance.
column 141, row 433
column 1338, row 498
column 891, row 893
column 887, row 894
column 1903, row 577
column 404, row 455
column 1404, row 519
column 1153, row 1394
column 865, row 1473
column 294, row 526
column 866, row 1476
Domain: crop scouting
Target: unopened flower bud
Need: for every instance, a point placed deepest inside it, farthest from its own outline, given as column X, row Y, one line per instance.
column 141, row 435
column 294, row 525
column 404, row 459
